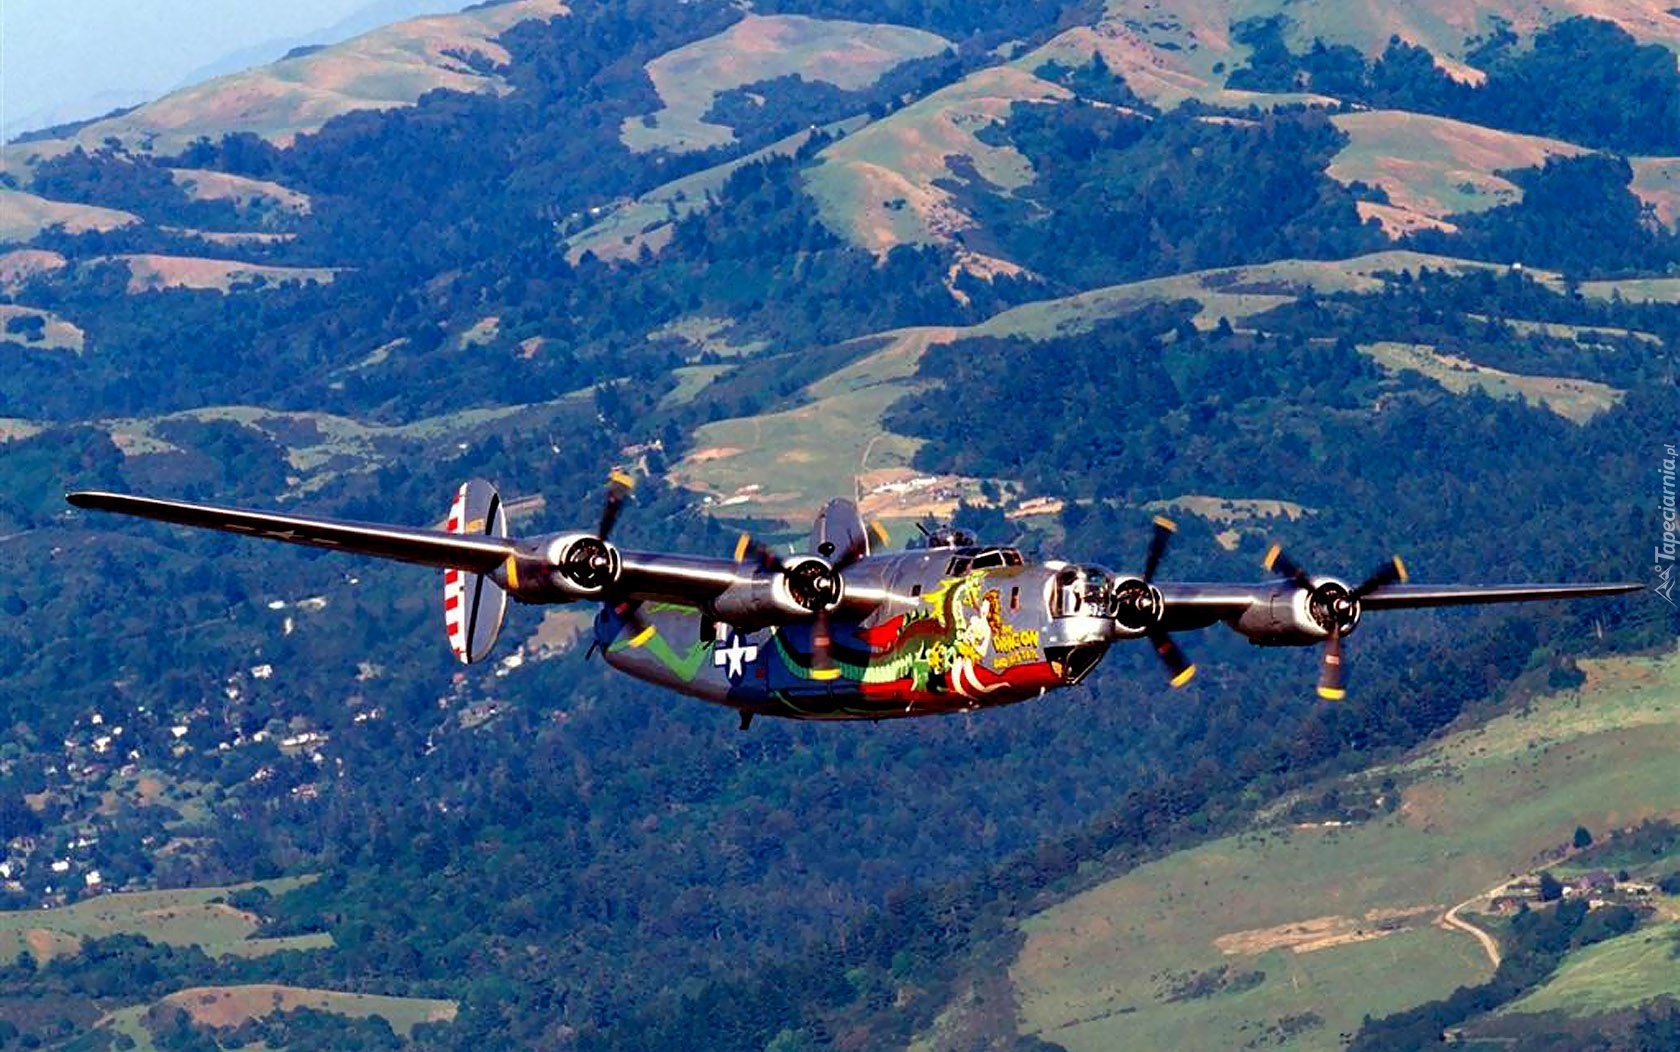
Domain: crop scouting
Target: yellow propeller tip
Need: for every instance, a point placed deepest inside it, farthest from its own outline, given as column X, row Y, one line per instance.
column 1184, row 677
column 741, row 547
column 1166, row 523
column 1400, row 568
column 641, row 638
column 1332, row 693
column 1272, row 554
column 825, row 673
column 880, row 534
column 623, row 478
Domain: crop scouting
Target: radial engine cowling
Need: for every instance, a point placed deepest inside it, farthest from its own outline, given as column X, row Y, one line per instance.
column 804, row 587
column 1292, row 616
column 1135, row 605
column 558, row 569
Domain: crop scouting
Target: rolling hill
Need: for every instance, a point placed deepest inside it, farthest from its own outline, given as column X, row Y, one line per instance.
column 388, row 67
column 1341, row 276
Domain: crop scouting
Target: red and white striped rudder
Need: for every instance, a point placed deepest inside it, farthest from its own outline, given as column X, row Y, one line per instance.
column 473, row 604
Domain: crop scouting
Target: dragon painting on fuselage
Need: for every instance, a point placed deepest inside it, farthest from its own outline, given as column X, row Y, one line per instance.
column 958, row 648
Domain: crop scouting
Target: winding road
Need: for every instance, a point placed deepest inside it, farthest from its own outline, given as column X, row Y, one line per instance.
column 1451, row 919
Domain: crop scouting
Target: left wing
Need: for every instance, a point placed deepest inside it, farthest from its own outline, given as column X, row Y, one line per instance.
column 1404, row 596
column 1199, row 605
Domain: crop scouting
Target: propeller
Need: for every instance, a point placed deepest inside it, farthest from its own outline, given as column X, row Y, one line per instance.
column 620, row 484
column 1180, row 670
column 1341, row 608
column 815, row 584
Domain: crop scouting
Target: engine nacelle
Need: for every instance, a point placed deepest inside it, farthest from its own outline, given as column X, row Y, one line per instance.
column 1292, row 617
column 802, row 588
column 559, row 569
column 1134, row 606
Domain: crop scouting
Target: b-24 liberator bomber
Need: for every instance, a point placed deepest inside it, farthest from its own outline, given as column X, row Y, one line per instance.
column 846, row 631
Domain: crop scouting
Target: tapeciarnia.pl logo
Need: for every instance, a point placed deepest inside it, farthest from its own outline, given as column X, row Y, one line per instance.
column 1665, row 551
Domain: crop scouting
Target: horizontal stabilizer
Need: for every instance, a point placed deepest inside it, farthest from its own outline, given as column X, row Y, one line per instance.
column 479, row 554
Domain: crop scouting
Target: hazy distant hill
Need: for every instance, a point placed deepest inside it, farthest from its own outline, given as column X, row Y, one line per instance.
column 1361, row 280
column 149, row 71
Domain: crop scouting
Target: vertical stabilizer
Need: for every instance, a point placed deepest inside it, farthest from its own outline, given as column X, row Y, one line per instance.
column 839, row 533
column 473, row 604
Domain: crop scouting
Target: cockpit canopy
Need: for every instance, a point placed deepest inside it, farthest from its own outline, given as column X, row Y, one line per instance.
column 966, row 559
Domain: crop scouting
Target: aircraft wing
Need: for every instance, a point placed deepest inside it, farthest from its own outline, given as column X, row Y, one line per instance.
column 1191, row 606
column 1403, row 596
column 479, row 554
column 693, row 580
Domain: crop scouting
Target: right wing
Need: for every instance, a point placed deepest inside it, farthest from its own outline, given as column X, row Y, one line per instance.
column 478, row 554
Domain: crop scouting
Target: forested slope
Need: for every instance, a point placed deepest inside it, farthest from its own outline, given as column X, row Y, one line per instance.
column 1054, row 253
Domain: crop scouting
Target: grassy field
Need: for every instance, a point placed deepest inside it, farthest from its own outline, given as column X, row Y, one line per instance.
column 1174, row 49
column 1577, row 400
column 1236, row 293
column 876, row 186
column 150, row 272
column 243, row 192
column 21, row 264
column 186, row 917
column 1342, row 920
column 1620, row 973
column 1240, row 516
column 1591, row 335
column 621, row 232
column 1657, row 181
column 389, row 67
column 849, row 55
column 691, row 380
column 707, row 334
column 231, row 1005
column 56, row 334
column 12, row 427
column 1654, row 290
column 800, row 457
column 321, row 445
column 23, row 215
column 1168, row 55
column 1434, row 167
column 228, row 1006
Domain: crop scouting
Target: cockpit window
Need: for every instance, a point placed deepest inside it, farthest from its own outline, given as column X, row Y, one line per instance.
column 982, row 559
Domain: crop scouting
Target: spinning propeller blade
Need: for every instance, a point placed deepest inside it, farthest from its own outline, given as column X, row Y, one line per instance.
column 1331, row 685
column 823, row 666
column 1330, row 669
column 620, row 484
column 1180, row 670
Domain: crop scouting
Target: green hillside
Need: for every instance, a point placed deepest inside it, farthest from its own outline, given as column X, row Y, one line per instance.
column 1343, row 917
column 1355, row 280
